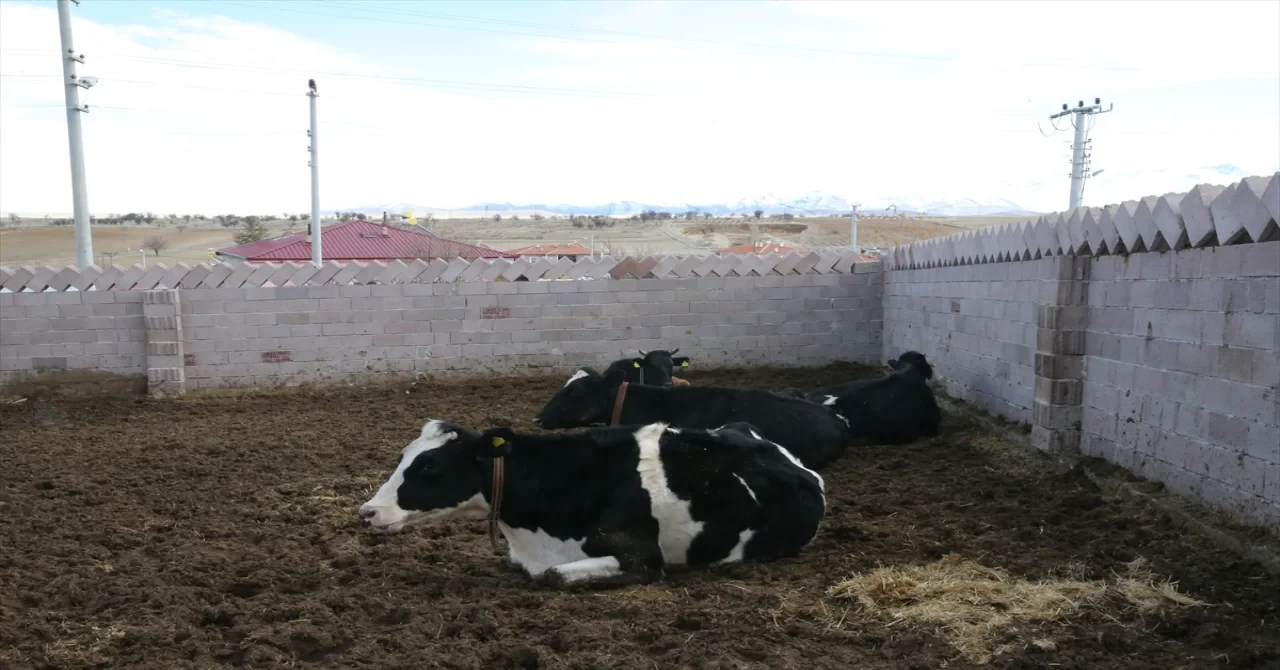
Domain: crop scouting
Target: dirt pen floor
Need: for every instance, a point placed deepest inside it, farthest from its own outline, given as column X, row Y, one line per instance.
column 218, row 530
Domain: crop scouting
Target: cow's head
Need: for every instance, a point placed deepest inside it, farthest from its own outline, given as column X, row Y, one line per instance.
column 439, row 477
column 912, row 361
column 659, row 365
column 585, row 400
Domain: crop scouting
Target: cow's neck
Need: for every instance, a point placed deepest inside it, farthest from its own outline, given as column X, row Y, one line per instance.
column 643, row 404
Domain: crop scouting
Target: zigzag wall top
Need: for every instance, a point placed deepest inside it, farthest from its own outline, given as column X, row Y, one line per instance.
column 206, row 275
column 1207, row 215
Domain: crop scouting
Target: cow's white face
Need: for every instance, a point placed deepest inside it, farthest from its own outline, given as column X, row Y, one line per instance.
column 431, row 483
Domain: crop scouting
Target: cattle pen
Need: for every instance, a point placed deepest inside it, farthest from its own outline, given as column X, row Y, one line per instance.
column 185, row 450
column 218, row 530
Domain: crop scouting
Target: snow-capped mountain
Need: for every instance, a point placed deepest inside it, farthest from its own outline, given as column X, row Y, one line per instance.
column 813, row 203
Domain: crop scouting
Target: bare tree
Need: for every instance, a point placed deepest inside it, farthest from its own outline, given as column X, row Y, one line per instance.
column 182, row 228
column 759, row 213
column 155, row 243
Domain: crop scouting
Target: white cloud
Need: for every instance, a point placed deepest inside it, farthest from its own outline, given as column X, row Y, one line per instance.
column 708, row 121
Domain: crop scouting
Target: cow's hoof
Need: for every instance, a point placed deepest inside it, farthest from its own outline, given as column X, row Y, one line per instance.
column 555, row 579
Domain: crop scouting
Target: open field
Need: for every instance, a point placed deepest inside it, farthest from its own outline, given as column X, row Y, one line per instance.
column 29, row 243
column 218, row 530
column 55, row 245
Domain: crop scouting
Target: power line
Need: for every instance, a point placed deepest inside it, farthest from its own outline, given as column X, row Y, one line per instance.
column 414, row 81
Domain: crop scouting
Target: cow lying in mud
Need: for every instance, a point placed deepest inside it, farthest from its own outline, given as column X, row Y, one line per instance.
column 653, row 368
column 895, row 409
column 608, row 505
column 815, row 434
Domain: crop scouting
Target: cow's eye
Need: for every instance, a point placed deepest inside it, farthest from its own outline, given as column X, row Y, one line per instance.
column 429, row 468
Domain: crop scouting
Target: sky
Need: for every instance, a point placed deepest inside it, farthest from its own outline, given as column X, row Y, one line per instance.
column 201, row 105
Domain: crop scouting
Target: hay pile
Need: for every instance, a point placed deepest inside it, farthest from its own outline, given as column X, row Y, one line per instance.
column 984, row 612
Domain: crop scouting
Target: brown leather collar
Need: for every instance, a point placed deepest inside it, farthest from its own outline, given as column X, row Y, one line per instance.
column 617, row 404
column 495, row 502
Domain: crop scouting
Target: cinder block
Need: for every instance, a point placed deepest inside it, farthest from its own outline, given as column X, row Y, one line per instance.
column 1098, row 422
column 1235, row 364
column 1058, row 391
column 1066, row 342
column 164, row 349
column 1056, row 417
column 160, row 297
column 1260, row 260
column 1254, row 331
column 1229, row 431
column 1098, row 396
column 1213, row 328
column 1064, row 442
column 1192, row 422
column 1061, row 317
column 1266, row 369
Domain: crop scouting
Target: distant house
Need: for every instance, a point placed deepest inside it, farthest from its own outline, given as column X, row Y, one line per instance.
column 357, row 241
column 572, row 251
column 759, row 248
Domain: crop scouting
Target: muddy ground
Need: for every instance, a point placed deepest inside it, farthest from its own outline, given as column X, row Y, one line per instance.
column 218, row 531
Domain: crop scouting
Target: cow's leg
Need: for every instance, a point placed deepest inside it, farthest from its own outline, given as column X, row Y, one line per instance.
column 623, row 557
column 586, row 572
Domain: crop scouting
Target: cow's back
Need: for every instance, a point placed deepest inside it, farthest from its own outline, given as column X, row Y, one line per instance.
column 747, row 497
column 811, row 432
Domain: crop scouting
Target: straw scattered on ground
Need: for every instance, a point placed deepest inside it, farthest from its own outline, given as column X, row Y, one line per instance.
column 984, row 612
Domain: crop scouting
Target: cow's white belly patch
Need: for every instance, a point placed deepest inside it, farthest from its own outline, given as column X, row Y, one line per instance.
column 535, row 551
column 676, row 526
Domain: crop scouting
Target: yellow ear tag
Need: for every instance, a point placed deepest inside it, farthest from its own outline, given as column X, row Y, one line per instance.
column 498, row 442
column 684, row 364
column 635, row 364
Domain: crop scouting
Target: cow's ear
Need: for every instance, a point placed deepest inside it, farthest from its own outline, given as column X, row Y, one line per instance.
column 495, row 443
column 681, row 361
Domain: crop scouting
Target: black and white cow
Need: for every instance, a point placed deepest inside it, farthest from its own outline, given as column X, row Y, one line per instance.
column 653, row 368
column 617, row 502
column 910, row 361
column 895, row 409
column 815, row 434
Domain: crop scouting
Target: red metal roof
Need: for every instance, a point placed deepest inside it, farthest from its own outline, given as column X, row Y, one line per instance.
column 551, row 250
column 361, row 241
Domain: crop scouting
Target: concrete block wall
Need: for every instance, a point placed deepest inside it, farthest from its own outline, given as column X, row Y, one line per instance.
column 1181, row 369
column 72, row 331
column 1156, row 333
column 273, row 323
column 976, row 323
column 262, row 336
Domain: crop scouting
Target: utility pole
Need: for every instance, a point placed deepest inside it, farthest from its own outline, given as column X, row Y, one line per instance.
column 853, row 228
column 72, row 84
column 317, row 257
column 1080, row 146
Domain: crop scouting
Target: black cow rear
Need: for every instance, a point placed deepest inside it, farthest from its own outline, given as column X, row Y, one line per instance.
column 816, row 435
column 895, row 409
